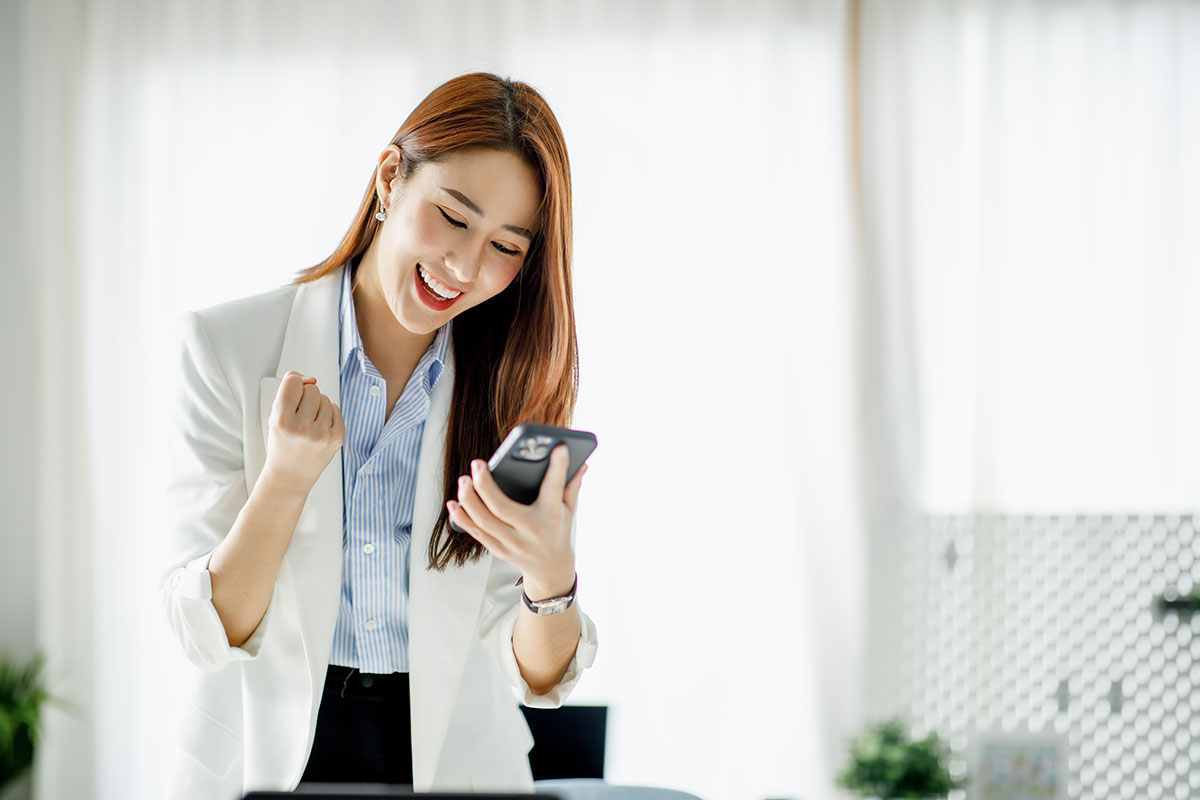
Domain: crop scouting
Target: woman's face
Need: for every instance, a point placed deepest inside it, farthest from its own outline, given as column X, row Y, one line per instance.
column 456, row 233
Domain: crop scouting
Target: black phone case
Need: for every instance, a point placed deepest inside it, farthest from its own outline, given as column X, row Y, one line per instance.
column 520, row 462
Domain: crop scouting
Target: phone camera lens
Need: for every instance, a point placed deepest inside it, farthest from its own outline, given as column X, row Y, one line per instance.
column 533, row 448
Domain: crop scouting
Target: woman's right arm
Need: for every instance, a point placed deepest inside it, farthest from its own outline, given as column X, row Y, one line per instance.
column 227, row 545
column 306, row 431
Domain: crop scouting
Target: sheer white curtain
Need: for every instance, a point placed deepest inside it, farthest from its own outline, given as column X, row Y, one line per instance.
column 200, row 152
column 1032, row 191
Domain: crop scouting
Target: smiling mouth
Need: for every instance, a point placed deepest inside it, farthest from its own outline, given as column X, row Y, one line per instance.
column 433, row 292
column 435, row 286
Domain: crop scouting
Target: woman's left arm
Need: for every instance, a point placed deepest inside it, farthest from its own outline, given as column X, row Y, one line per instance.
column 536, row 539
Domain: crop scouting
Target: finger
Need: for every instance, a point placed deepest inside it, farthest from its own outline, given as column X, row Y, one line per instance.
column 463, row 520
column 479, row 511
column 324, row 415
column 571, row 495
column 291, row 390
column 309, row 404
column 499, row 504
column 339, row 426
column 551, row 490
column 295, row 378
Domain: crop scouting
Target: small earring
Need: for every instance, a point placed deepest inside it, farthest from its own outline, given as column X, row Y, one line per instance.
column 381, row 214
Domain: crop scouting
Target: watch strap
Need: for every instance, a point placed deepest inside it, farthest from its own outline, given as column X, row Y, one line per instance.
column 554, row 605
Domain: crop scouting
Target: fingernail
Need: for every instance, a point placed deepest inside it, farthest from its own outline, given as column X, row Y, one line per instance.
column 476, row 466
column 463, row 481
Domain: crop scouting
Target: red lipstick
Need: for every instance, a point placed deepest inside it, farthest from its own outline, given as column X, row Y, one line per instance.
column 427, row 295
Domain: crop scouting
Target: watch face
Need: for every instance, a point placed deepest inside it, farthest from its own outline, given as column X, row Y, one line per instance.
column 546, row 608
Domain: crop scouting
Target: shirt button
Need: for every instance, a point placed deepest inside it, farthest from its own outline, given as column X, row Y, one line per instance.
column 368, row 469
column 374, row 391
column 368, row 548
column 369, row 625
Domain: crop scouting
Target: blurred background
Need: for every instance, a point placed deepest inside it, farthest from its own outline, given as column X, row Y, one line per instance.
column 888, row 327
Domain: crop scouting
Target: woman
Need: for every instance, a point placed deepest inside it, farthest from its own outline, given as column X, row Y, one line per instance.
column 332, row 609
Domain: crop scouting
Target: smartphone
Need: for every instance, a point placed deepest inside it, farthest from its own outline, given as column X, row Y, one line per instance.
column 520, row 462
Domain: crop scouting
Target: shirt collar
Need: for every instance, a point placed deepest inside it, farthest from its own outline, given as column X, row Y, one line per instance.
column 351, row 342
column 439, row 350
column 434, row 360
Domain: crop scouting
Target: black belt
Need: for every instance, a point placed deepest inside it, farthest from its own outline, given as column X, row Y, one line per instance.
column 349, row 682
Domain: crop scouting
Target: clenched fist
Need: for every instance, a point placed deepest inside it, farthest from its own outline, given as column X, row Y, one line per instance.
column 306, row 429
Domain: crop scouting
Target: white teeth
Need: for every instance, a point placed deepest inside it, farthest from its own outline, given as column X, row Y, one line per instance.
column 437, row 286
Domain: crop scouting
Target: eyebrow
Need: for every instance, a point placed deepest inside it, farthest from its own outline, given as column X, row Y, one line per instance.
column 469, row 203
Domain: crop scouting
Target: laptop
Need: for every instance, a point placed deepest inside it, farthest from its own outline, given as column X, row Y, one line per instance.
column 354, row 791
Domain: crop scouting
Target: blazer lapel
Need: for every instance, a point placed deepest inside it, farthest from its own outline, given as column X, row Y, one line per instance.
column 310, row 347
column 443, row 606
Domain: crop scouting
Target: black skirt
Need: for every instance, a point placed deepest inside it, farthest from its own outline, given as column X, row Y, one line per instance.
column 364, row 730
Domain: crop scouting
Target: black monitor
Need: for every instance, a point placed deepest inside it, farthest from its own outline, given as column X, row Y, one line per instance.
column 568, row 742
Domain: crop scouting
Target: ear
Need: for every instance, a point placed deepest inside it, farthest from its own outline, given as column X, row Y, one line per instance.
column 387, row 175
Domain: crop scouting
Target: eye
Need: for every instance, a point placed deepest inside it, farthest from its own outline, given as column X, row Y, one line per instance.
column 451, row 219
column 505, row 250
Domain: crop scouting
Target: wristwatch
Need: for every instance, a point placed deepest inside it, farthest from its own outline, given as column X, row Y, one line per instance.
column 555, row 605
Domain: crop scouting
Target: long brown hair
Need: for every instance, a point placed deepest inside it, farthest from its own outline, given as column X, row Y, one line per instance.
column 515, row 354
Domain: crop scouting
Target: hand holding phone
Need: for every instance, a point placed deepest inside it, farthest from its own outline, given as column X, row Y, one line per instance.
column 520, row 462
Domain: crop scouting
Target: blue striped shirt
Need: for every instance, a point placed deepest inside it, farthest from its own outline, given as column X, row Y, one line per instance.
column 379, row 471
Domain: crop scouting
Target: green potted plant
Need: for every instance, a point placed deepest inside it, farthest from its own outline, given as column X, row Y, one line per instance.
column 22, row 696
column 886, row 763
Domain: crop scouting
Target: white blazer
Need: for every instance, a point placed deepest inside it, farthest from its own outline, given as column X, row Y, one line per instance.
column 248, row 717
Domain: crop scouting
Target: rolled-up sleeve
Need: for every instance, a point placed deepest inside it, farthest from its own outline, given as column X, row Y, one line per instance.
column 502, row 607
column 585, row 656
column 205, row 492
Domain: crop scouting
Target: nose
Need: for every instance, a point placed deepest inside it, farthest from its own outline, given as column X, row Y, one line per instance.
column 464, row 264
